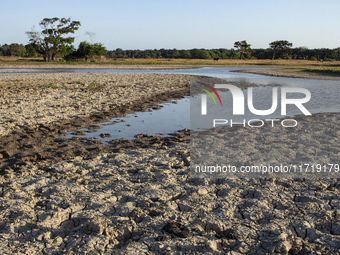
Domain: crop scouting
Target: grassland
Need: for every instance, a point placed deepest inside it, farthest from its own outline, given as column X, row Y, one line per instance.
column 293, row 66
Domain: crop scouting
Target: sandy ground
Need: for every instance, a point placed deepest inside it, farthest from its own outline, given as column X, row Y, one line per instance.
column 142, row 199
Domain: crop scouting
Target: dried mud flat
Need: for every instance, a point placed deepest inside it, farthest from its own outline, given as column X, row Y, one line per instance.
column 141, row 198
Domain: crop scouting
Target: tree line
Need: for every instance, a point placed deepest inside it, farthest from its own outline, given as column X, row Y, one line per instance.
column 87, row 51
column 54, row 41
column 295, row 53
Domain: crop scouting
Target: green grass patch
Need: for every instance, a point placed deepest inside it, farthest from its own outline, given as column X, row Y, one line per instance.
column 51, row 85
column 94, row 85
column 77, row 82
column 324, row 69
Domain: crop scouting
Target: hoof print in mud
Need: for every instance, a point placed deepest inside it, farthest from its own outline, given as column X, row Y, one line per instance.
column 177, row 229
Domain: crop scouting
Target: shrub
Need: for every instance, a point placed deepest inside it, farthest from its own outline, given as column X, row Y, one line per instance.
column 90, row 51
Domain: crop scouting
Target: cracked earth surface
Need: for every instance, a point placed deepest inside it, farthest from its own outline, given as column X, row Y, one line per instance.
column 144, row 200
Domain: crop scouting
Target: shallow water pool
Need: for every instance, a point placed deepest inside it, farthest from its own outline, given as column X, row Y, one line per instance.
column 167, row 118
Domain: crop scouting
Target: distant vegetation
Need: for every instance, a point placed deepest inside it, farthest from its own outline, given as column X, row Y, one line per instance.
column 52, row 43
column 294, row 53
column 88, row 51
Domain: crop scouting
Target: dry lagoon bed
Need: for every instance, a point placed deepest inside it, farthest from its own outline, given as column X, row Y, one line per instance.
column 141, row 198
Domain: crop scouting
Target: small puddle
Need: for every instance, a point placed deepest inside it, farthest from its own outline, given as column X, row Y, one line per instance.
column 160, row 120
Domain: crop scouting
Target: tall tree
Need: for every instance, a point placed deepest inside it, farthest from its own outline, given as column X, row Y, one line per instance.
column 282, row 45
column 243, row 48
column 52, row 40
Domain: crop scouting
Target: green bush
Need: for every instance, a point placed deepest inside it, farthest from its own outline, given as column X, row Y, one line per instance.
column 87, row 51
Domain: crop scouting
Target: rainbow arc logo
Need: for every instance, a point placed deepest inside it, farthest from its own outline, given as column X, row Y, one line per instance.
column 209, row 93
column 204, row 98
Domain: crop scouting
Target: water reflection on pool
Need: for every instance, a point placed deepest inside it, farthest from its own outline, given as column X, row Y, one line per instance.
column 168, row 118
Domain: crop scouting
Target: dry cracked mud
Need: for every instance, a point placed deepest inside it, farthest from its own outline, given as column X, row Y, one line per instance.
column 143, row 201
column 141, row 198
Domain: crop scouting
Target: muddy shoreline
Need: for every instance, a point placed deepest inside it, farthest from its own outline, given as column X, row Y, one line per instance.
column 44, row 141
column 40, row 139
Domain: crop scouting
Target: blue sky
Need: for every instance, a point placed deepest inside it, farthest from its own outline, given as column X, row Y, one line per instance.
column 184, row 24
